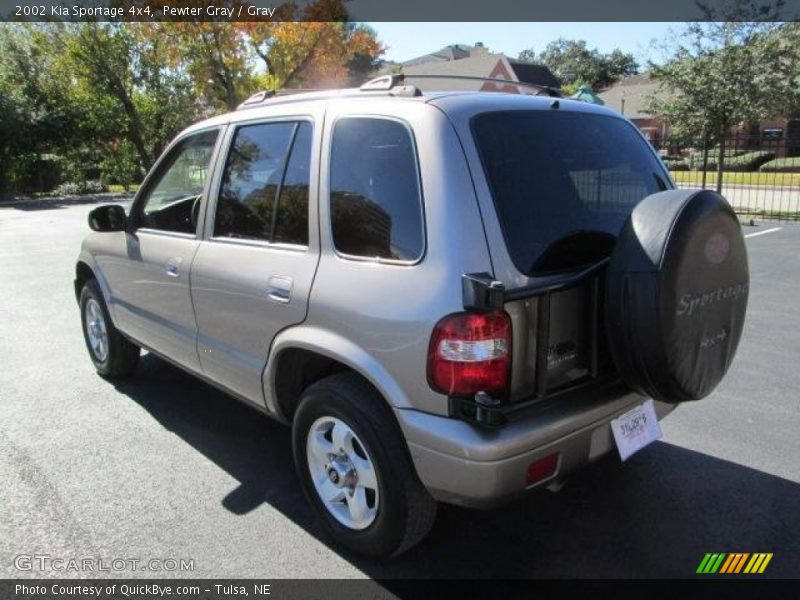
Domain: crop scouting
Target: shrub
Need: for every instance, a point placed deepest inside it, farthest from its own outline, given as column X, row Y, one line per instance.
column 676, row 164
column 782, row 165
column 74, row 188
column 94, row 186
column 70, row 188
column 747, row 161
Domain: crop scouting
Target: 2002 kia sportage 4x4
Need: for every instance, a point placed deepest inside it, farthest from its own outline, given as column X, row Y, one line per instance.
column 452, row 297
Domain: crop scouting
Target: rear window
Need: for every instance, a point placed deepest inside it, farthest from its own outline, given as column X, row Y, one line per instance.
column 563, row 183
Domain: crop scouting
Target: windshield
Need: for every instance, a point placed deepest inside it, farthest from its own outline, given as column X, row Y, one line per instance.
column 563, row 183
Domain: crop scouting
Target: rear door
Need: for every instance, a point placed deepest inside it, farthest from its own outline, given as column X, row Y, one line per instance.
column 252, row 274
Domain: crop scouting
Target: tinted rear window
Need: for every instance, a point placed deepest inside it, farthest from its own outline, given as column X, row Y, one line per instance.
column 563, row 183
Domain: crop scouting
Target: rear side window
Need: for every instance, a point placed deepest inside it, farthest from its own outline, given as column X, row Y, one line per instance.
column 264, row 193
column 563, row 183
column 376, row 206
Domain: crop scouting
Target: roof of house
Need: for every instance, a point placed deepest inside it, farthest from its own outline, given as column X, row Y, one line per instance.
column 532, row 73
column 636, row 92
column 476, row 61
column 451, row 52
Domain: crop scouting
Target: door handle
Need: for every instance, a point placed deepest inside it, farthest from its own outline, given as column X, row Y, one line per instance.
column 279, row 289
column 173, row 268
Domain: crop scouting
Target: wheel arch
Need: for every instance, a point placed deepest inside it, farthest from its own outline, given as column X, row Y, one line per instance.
column 83, row 273
column 302, row 356
column 86, row 269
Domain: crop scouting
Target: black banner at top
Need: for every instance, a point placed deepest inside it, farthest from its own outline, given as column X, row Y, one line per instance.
column 397, row 10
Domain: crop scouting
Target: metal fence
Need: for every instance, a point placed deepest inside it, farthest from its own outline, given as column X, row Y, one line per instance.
column 760, row 175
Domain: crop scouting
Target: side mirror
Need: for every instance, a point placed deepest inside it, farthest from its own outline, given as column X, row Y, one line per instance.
column 108, row 218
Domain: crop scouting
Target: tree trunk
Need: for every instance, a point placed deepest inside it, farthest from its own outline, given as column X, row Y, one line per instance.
column 720, row 161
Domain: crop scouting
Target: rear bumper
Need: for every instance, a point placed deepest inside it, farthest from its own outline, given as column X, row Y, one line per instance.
column 462, row 464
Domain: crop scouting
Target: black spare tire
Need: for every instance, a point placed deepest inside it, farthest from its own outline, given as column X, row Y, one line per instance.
column 676, row 294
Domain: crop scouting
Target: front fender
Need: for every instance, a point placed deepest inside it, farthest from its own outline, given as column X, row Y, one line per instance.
column 332, row 345
column 88, row 259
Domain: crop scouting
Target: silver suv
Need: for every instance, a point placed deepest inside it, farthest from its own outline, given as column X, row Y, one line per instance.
column 453, row 297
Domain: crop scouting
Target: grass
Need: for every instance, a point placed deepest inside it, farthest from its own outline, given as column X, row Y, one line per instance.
column 118, row 189
column 782, row 165
column 738, row 178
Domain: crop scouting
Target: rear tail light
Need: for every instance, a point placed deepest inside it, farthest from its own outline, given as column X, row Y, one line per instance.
column 469, row 353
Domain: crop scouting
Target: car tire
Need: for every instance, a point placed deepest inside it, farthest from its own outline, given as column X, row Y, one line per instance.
column 113, row 355
column 349, row 448
column 677, row 286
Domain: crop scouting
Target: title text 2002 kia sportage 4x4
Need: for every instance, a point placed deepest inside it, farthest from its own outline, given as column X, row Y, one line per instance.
column 451, row 297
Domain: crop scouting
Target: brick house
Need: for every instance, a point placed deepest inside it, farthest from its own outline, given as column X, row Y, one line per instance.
column 630, row 96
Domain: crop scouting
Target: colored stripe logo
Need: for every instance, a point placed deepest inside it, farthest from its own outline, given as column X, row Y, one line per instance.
column 734, row 563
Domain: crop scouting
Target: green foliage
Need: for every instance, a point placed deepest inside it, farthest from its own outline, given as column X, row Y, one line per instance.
column 574, row 64
column 734, row 160
column 782, row 165
column 99, row 100
column 725, row 74
column 120, row 166
column 749, row 161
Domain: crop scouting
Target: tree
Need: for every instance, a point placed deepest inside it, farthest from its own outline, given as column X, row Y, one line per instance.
column 38, row 115
column 726, row 74
column 103, row 54
column 215, row 56
column 322, row 50
column 103, row 99
column 573, row 63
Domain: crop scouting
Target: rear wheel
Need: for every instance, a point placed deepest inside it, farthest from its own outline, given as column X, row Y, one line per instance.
column 112, row 354
column 356, row 470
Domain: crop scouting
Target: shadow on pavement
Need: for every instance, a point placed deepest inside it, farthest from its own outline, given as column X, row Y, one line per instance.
column 655, row 516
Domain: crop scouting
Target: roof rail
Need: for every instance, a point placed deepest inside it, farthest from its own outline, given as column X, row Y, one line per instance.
column 392, row 84
column 383, row 84
column 264, row 95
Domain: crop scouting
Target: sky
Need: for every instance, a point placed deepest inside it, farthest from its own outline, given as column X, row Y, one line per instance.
column 408, row 40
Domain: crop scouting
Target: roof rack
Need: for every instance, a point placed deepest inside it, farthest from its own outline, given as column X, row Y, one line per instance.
column 392, row 84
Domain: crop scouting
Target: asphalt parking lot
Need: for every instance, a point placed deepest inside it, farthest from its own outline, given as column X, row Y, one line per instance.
column 163, row 466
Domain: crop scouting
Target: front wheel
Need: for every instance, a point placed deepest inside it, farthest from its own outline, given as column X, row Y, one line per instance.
column 356, row 470
column 112, row 354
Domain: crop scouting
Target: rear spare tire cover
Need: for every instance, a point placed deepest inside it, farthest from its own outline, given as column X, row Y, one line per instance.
column 676, row 294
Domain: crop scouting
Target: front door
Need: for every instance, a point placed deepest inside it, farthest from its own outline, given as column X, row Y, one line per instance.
column 149, row 278
column 252, row 275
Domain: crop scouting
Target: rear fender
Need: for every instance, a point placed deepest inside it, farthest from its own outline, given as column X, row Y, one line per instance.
column 332, row 345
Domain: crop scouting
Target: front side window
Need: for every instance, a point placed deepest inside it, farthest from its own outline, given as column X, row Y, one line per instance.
column 264, row 193
column 172, row 202
column 376, row 206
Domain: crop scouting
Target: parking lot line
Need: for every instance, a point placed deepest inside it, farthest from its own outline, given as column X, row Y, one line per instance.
column 749, row 235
